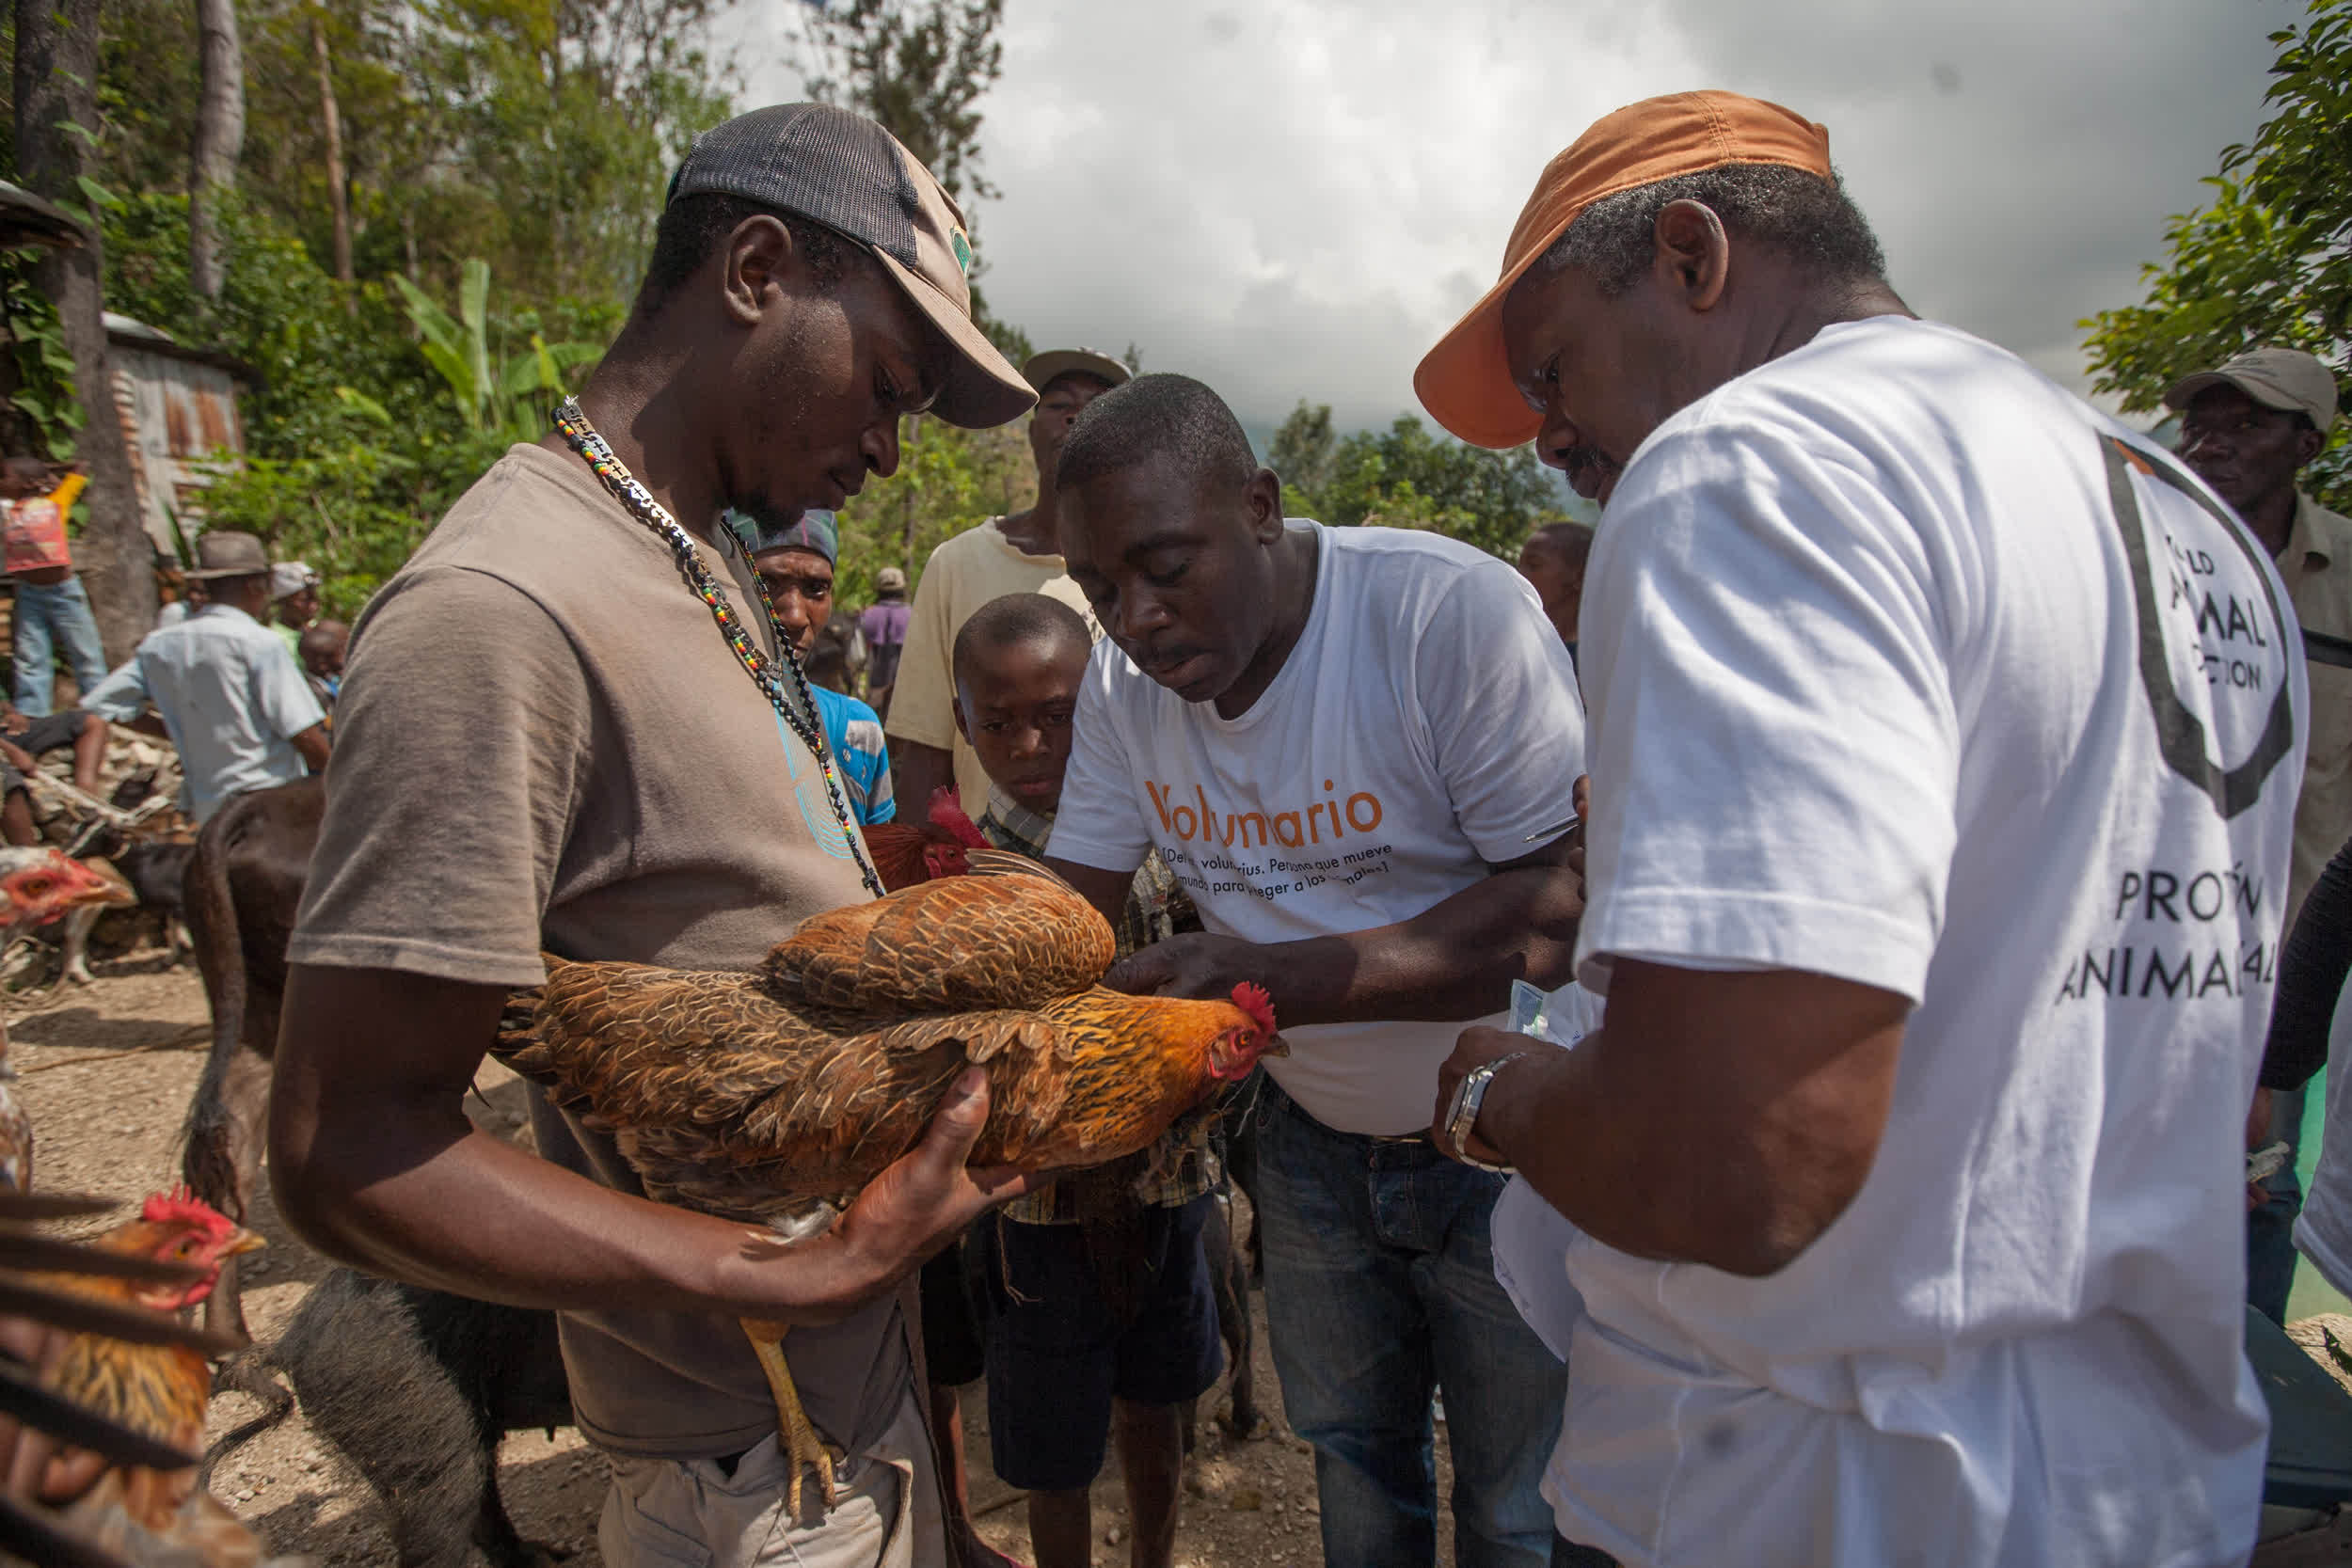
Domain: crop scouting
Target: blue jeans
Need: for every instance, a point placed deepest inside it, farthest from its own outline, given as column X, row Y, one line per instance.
column 53, row 620
column 1379, row 1286
column 2270, row 1254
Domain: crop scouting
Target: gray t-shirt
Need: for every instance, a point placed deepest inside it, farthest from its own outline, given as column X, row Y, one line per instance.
column 543, row 741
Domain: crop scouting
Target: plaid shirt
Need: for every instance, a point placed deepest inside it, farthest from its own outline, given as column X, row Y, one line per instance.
column 1181, row 1166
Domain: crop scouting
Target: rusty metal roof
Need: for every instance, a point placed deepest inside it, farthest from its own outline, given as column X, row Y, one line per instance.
column 25, row 219
column 137, row 337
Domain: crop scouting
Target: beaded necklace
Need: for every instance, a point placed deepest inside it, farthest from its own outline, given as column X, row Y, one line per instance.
column 573, row 425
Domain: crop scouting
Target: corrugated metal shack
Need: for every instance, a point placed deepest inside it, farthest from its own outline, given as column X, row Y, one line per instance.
column 179, row 408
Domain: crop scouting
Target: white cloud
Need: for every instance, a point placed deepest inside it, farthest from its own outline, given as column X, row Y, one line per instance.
column 1293, row 197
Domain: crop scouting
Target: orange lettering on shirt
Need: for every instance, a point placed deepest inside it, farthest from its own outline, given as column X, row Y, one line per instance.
column 1204, row 822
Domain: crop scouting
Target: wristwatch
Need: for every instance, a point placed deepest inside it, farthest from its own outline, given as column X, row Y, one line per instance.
column 1462, row 1115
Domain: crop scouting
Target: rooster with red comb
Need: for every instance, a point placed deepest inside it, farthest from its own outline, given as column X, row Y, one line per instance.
column 905, row 854
column 145, row 1513
column 37, row 886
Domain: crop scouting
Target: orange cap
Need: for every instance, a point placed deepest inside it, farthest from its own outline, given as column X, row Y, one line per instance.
column 1464, row 382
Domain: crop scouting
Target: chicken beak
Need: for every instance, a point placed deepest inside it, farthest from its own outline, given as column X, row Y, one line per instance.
column 1275, row 1046
column 244, row 1241
column 106, row 893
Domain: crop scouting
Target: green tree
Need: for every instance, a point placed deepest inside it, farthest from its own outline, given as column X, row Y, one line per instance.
column 1303, row 452
column 538, row 134
column 918, row 69
column 44, row 412
column 219, row 137
column 535, row 135
column 949, row 480
column 358, row 441
column 2269, row 259
column 513, row 397
column 54, row 97
column 1408, row 476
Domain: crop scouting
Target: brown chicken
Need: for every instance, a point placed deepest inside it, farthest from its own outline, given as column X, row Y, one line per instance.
column 764, row 1096
column 905, row 854
column 37, row 886
column 158, row 1389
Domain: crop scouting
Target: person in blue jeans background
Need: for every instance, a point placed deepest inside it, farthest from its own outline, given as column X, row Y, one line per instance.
column 53, row 616
column 1355, row 749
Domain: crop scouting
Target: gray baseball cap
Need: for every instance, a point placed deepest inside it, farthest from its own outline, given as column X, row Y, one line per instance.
column 850, row 175
column 2286, row 379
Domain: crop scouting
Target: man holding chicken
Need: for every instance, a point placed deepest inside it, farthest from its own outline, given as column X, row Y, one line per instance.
column 568, row 726
column 1374, row 831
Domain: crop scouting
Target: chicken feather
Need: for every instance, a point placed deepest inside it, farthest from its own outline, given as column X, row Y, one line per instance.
column 950, row 945
column 775, row 1095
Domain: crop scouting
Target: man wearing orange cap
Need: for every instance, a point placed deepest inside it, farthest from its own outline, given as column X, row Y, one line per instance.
column 1944, row 748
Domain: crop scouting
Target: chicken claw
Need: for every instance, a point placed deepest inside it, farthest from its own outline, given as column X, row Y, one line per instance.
column 802, row 1447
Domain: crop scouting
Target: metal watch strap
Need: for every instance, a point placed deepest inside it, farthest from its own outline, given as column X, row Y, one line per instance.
column 1462, row 1117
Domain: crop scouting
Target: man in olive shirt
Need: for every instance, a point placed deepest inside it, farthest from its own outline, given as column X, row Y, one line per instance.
column 545, row 740
column 2248, row 427
column 1018, row 554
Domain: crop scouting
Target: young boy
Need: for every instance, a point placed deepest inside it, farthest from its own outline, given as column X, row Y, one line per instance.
column 1078, row 1341
column 52, row 613
column 322, row 651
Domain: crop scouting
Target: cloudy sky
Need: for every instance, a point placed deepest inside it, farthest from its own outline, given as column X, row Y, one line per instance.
column 1293, row 197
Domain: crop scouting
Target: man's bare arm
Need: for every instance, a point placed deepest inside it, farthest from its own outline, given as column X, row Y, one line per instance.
column 311, row 746
column 374, row 1164
column 1453, row 961
column 1717, row 1118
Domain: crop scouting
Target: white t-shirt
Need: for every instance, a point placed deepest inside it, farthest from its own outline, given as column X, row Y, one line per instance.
column 1908, row 668
column 1425, row 725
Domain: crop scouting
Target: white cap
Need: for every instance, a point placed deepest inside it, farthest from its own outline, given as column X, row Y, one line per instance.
column 2286, row 379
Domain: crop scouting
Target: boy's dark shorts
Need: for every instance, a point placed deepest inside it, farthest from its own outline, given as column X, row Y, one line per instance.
column 1056, row 1357
column 43, row 734
column 951, row 1329
column 51, row 731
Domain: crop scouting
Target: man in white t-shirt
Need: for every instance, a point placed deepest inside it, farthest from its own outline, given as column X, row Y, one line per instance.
column 1944, row 742
column 1355, row 748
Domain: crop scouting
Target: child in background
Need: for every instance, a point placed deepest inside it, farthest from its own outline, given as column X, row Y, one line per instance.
column 1079, row 1342
column 52, row 613
column 795, row 560
column 321, row 650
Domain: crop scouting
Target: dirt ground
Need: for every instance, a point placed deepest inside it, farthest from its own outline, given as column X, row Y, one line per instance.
column 106, row 1072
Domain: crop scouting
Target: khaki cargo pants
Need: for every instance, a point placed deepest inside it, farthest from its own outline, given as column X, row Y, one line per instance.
column 690, row 1514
